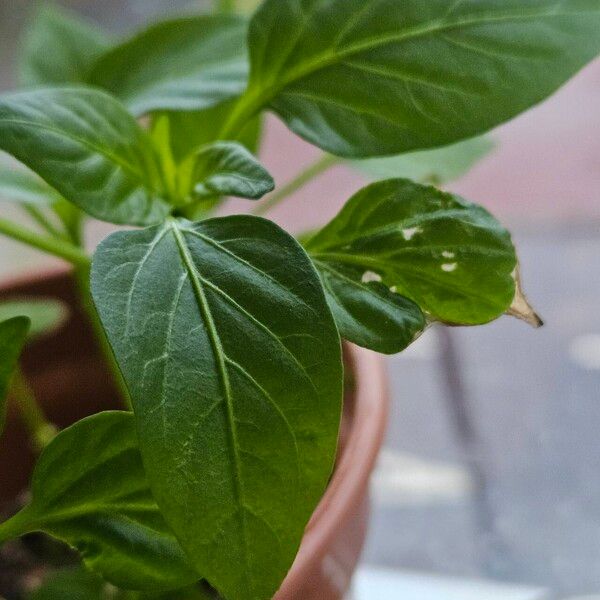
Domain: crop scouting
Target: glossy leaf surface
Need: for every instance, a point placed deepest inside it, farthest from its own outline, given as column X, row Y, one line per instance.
column 184, row 64
column 232, row 358
column 84, row 144
column 89, row 489
column 229, row 169
column 59, row 47
column 13, row 333
column 366, row 312
column 449, row 256
column 364, row 78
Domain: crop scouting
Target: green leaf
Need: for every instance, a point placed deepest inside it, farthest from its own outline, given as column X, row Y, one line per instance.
column 84, row 144
column 185, row 64
column 21, row 185
column 13, row 333
column 228, row 169
column 59, row 47
column 73, row 584
column 46, row 315
column 366, row 312
column 364, row 78
column 232, row 358
column 439, row 166
column 89, row 490
column 190, row 130
column 449, row 256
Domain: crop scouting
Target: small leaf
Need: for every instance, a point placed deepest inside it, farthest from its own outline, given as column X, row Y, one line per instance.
column 84, row 144
column 368, row 313
column 438, row 166
column 13, row 333
column 59, row 47
column 363, row 78
column 228, row 169
column 184, row 64
column 232, row 358
column 89, row 489
column 449, row 256
column 21, row 185
column 46, row 315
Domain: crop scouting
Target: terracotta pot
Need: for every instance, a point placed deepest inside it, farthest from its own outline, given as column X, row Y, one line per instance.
column 70, row 379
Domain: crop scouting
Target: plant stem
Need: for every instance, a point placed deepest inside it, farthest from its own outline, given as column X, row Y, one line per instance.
column 82, row 276
column 56, row 247
column 42, row 220
column 41, row 431
column 320, row 166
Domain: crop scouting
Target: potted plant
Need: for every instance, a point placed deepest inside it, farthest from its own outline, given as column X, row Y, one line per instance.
column 223, row 333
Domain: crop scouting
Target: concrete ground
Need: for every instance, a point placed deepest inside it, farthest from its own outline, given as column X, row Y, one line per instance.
column 518, row 501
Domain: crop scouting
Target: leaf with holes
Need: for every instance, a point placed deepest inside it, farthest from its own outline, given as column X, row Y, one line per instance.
column 59, row 48
column 13, row 333
column 186, row 64
column 228, row 169
column 232, row 358
column 89, row 489
column 84, row 144
column 449, row 256
column 366, row 78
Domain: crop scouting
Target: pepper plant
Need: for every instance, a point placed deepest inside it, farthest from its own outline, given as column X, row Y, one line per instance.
column 224, row 332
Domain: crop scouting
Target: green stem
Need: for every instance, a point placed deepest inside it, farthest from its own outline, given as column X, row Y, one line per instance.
column 56, row 247
column 42, row 220
column 323, row 164
column 82, row 276
column 41, row 431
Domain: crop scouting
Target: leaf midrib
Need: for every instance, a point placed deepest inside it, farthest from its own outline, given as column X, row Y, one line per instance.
column 221, row 359
column 328, row 58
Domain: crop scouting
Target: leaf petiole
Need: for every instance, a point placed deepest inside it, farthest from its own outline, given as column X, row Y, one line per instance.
column 326, row 162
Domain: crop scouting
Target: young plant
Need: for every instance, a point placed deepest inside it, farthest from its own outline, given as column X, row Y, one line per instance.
column 226, row 330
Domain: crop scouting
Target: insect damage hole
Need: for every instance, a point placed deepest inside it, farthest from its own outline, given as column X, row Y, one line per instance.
column 449, row 267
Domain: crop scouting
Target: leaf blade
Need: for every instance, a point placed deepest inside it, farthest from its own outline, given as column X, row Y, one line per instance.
column 89, row 490
column 364, row 79
column 120, row 179
column 183, row 64
column 449, row 256
column 220, row 313
column 13, row 333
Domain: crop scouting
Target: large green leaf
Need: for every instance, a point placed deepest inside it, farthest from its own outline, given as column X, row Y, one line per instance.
column 185, row 64
column 437, row 166
column 363, row 78
column 89, row 489
column 223, row 334
column 59, row 47
column 13, row 333
column 85, row 145
column 21, row 185
column 368, row 313
column 228, row 169
column 450, row 256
